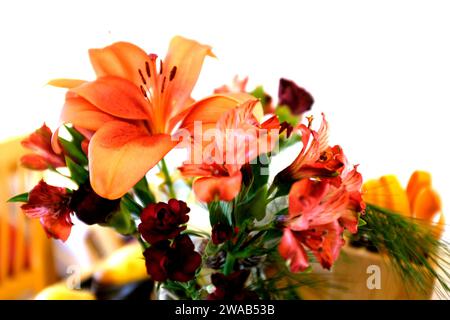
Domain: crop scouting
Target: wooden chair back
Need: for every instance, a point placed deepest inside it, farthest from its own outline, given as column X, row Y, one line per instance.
column 26, row 264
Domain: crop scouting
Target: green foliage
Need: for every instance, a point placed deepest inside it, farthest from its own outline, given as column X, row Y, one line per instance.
column 122, row 220
column 285, row 115
column 260, row 94
column 77, row 137
column 254, row 206
column 220, row 211
column 143, row 192
column 411, row 245
column 23, row 197
column 73, row 151
column 78, row 173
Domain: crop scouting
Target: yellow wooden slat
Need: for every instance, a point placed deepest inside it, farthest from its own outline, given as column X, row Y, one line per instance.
column 29, row 235
column 4, row 227
column 20, row 229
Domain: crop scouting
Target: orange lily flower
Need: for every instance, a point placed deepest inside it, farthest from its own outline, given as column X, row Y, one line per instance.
column 133, row 107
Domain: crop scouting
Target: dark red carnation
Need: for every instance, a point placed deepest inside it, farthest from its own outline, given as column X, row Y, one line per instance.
column 161, row 221
column 177, row 261
column 231, row 287
column 51, row 205
column 296, row 98
column 90, row 207
column 221, row 232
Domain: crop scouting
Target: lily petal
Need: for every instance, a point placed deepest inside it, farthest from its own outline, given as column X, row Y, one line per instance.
column 66, row 83
column 209, row 110
column 120, row 154
column 121, row 59
column 116, row 96
column 83, row 114
column 186, row 58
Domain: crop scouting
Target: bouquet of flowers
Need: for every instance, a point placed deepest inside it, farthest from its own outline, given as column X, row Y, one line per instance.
column 267, row 228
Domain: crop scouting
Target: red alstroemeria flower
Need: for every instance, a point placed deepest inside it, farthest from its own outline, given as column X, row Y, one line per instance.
column 325, row 241
column 317, row 158
column 51, row 205
column 314, row 202
column 163, row 221
column 239, row 138
column 43, row 157
column 177, row 261
column 132, row 106
column 318, row 213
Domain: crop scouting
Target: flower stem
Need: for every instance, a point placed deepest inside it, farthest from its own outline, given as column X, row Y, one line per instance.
column 229, row 264
column 168, row 179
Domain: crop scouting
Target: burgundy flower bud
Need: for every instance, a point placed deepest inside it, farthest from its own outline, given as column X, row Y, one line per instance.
column 90, row 208
column 220, row 233
column 161, row 221
column 296, row 98
column 231, row 287
column 177, row 261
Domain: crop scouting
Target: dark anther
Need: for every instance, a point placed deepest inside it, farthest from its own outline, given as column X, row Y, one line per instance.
column 142, row 77
column 160, row 67
column 173, row 72
column 147, row 69
column 143, row 91
column 323, row 156
column 163, row 84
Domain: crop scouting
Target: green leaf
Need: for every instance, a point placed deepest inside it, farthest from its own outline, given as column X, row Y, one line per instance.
column 260, row 172
column 260, row 94
column 79, row 174
column 73, row 151
column 122, row 221
column 131, row 205
column 254, row 207
column 77, row 137
column 220, row 211
column 23, row 197
column 143, row 192
column 361, row 223
column 285, row 115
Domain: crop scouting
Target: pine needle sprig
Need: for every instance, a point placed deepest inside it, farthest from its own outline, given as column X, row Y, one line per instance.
column 412, row 246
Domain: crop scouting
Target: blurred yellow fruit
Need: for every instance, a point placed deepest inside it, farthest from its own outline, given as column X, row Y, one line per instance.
column 124, row 266
column 62, row 292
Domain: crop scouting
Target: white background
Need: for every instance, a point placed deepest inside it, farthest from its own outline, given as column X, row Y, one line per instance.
column 380, row 70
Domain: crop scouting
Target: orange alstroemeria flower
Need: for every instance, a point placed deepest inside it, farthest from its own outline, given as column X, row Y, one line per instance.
column 316, row 159
column 133, row 107
column 239, row 138
column 318, row 214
